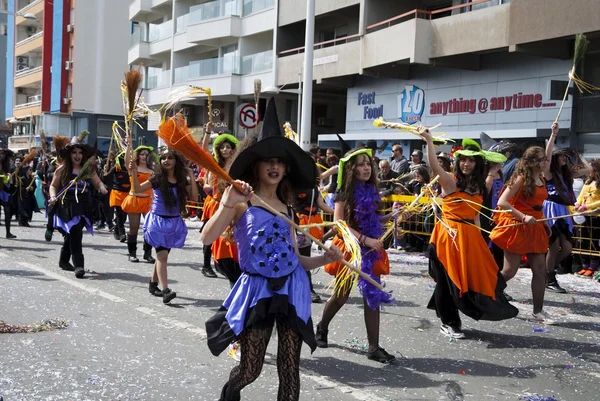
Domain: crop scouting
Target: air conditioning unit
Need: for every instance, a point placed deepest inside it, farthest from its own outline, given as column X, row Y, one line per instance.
column 20, row 91
column 22, row 63
column 68, row 65
column 31, row 29
column 70, row 27
column 67, row 100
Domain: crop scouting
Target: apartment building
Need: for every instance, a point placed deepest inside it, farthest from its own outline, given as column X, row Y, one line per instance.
column 498, row 66
column 224, row 45
column 65, row 61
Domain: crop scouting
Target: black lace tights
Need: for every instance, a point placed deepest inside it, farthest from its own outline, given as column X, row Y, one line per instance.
column 253, row 343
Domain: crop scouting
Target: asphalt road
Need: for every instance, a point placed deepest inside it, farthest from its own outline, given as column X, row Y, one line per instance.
column 121, row 343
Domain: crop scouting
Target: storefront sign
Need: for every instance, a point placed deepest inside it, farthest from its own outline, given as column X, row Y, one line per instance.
column 369, row 112
column 411, row 103
column 517, row 101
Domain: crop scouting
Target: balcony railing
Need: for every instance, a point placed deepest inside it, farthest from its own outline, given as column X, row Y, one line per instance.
column 255, row 6
column 160, row 31
column 29, row 39
column 27, row 71
column 29, row 6
column 320, row 45
column 182, row 23
column 29, row 103
column 414, row 14
column 214, row 9
column 158, row 80
column 203, row 68
column 257, row 62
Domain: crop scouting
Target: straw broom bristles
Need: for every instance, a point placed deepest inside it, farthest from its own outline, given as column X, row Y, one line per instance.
column 133, row 79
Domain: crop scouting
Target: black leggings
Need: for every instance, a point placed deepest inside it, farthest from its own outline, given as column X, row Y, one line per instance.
column 121, row 216
column 445, row 306
column 73, row 239
column 7, row 218
column 254, row 342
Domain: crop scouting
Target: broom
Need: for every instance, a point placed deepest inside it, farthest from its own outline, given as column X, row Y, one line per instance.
column 257, row 88
column 133, row 79
column 175, row 133
column 581, row 44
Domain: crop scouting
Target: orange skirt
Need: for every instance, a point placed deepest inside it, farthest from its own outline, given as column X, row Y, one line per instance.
column 520, row 240
column 136, row 204
column 224, row 249
column 382, row 266
column 316, row 232
column 117, row 198
column 209, row 208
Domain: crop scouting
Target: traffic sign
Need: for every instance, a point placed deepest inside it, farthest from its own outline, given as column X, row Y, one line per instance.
column 247, row 115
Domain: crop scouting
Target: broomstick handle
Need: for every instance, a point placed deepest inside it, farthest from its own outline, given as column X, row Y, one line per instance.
column 317, row 242
column 414, row 203
column 110, row 146
column 551, row 218
column 562, row 105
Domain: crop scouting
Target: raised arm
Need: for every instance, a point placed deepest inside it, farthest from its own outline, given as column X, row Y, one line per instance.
column 193, row 191
column 137, row 187
column 446, row 179
column 550, row 145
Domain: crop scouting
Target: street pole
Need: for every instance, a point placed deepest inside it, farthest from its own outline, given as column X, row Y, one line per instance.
column 309, row 44
column 298, row 126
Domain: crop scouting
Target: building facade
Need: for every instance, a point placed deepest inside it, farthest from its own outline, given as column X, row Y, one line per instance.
column 499, row 66
column 224, row 45
column 64, row 68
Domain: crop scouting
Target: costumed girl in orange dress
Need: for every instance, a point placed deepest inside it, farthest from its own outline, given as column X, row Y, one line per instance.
column 223, row 249
column 466, row 275
column 517, row 231
column 137, row 204
column 356, row 202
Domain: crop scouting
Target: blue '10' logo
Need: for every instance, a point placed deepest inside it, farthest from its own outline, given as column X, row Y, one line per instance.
column 411, row 103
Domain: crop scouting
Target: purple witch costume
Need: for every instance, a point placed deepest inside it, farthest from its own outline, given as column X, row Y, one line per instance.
column 273, row 283
column 74, row 207
column 164, row 227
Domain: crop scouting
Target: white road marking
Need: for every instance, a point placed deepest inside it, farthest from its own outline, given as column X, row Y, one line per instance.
column 358, row 394
column 148, row 311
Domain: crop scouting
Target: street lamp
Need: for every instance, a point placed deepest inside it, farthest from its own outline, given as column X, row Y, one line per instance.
column 28, row 16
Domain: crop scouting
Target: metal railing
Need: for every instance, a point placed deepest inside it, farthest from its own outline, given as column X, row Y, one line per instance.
column 30, row 39
column 28, row 104
column 27, row 71
column 321, row 45
column 29, row 6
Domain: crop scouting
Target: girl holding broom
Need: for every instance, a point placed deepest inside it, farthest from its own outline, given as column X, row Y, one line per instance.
column 172, row 186
column 273, row 288
column 138, row 204
column 73, row 207
column 356, row 202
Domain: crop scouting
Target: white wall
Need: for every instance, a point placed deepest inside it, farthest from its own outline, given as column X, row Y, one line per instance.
column 501, row 75
column 102, row 32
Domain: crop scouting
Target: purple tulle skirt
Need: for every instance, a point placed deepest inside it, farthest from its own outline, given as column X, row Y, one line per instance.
column 66, row 225
column 553, row 209
column 165, row 232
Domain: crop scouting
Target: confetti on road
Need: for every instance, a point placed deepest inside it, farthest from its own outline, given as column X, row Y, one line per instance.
column 47, row 325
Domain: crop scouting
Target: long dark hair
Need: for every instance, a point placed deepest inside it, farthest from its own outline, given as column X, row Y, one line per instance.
column 5, row 162
column 218, row 152
column 524, row 168
column 67, row 165
column 284, row 191
column 476, row 180
column 563, row 178
column 349, row 184
column 160, row 180
column 149, row 159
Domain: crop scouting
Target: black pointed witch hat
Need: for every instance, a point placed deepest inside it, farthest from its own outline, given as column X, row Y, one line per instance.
column 271, row 143
column 345, row 148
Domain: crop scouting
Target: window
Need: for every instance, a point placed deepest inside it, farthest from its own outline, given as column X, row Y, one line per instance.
column 3, row 29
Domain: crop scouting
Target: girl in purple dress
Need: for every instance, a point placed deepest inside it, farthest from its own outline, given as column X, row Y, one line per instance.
column 273, row 287
column 172, row 185
column 73, row 211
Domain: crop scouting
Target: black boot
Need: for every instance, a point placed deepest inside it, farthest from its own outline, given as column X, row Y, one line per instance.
column 229, row 397
column 552, row 284
column 132, row 248
column 168, row 295
column 79, row 263
column 117, row 233
column 207, row 269
column 64, row 260
column 154, row 290
column 122, row 235
column 148, row 253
